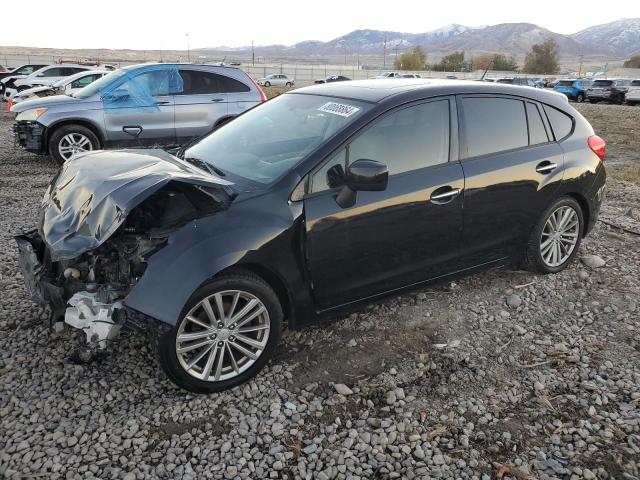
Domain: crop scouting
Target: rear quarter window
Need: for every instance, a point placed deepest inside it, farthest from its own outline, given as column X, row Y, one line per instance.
column 231, row 85
column 561, row 123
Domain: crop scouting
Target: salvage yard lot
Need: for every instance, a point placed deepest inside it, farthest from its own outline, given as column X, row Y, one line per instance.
column 506, row 374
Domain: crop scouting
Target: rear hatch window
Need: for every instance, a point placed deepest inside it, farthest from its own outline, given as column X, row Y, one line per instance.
column 635, row 83
column 602, row 83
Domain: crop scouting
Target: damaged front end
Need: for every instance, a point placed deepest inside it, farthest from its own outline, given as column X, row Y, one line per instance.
column 103, row 217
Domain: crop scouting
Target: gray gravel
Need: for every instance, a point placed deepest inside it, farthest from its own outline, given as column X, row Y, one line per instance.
column 504, row 374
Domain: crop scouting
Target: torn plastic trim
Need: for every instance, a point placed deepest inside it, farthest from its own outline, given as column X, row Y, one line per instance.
column 92, row 195
column 95, row 318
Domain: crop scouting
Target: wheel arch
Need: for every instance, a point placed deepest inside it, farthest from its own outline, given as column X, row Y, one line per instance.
column 223, row 120
column 73, row 121
column 273, row 279
column 584, row 205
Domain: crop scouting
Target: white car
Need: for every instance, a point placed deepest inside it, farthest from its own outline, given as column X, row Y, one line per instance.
column 67, row 86
column 276, row 80
column 388, row 75
column 44, row 77
column 410, row 75
column 633, row 93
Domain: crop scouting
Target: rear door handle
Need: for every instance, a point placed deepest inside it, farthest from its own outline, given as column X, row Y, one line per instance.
column 546, row 167
column 163, row 103
column 444, row 194
column 217, row 99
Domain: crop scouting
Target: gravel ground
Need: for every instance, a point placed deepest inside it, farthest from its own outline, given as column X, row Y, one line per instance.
column 504, row 374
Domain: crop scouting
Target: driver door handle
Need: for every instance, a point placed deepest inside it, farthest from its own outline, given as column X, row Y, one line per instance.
column 217, row 99
column 444, row 194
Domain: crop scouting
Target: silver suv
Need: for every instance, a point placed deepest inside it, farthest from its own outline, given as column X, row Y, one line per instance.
column 139, row 105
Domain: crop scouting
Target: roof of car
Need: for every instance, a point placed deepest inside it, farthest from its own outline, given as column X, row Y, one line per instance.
column 140, row 65
column 377, row 91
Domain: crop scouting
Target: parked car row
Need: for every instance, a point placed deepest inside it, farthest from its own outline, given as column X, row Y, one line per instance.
column 602, row 90
column 29, row 76
column 138, row 105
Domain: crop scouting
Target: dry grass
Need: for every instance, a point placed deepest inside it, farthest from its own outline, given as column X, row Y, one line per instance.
column 271, row 92
column 629, row 172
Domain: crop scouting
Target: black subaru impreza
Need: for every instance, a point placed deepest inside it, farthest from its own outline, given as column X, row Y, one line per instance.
column 307, row 206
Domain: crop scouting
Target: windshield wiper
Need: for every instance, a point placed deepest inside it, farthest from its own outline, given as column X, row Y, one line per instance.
column 205, row 166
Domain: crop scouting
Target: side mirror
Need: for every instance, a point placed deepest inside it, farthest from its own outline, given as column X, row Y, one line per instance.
column 362, row 175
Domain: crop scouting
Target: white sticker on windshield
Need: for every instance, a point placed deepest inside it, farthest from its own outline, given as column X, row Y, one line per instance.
column 339, row 109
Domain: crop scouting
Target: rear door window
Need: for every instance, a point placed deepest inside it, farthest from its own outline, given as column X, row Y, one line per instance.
column 200, row 83
column 493, row 124
column 561, row 123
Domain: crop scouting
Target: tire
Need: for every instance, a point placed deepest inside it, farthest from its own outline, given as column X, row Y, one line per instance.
column 288, row 84
column 236, row 368
column 61, row 137
column 535, row 257
column 580, row 98
column 593, row 101
column 267, row 84
column 631, row 103
column 619, row 100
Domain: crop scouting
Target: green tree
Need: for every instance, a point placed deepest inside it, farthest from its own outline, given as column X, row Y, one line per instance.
column 633, row 62
column 415, row 59
column 543, row 58
column 452, row 63
column 504, row 64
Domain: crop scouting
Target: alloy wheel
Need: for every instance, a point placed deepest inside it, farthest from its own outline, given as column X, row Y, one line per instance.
column 72, row 144
column 223, row 335
column 559, row 236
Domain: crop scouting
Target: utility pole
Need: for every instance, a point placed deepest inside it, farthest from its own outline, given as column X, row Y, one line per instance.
column 253, row 54
column 580, row 69
column 384, row 53
column 188, row 50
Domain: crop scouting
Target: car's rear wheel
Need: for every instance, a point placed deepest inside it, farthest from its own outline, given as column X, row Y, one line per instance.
column 227, row 332
column 267, row 84
column 580, row 98
column 69, row 141
column 288, row 84
column 554, row 241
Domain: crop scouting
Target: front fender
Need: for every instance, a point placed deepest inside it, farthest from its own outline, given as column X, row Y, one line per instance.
column 200, row 250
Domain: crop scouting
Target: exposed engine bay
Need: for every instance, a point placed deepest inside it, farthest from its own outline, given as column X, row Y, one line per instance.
column 87, row 291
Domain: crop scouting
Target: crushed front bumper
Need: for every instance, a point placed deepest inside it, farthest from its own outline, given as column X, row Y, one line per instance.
column 39, row 282
column 30, row 136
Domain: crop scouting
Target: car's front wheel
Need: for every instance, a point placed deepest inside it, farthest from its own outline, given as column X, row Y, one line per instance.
column 227, row 332
column 71, row 140
column 554, row 241
column 288, row 84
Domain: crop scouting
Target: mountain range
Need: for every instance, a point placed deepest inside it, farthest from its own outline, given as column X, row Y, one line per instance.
column 616, row 39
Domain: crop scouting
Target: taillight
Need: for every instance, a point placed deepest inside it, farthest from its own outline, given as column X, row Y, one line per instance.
column 597, row 146
column 9, row 105
column 263, row 97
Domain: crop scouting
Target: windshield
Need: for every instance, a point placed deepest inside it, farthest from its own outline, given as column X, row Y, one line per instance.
column 96, row 86
column 269, row 140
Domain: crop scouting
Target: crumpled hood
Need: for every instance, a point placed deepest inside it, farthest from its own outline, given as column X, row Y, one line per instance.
column 91, row 195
